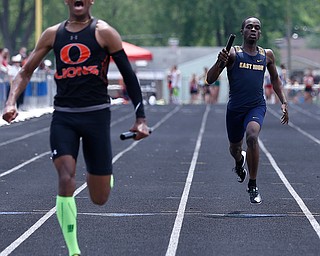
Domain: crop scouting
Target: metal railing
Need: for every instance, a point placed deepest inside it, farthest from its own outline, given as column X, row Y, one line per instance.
column 296, row 93
column 38, row 94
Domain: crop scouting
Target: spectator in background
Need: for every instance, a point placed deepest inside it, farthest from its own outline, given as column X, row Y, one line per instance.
column 308, row 81
column 214, row 91
column 3, row 75
column 206, row 93
column 24, row 55
column 293, row 93
column 4, row 82
column 283, row 75
column 124, row 92
column 44, row 67
column 268, row 90
column 174, row 84
column 193, row 88
column 3, row 68
column 5, row 57
column 48, row 65
column 169, row 84
column 12, row 72
column 204, row 87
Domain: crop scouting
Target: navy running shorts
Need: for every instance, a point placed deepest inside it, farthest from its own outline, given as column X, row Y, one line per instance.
column 237, row 121
column 94, row 128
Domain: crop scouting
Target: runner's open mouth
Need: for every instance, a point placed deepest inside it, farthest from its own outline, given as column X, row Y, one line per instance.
column 78, row 3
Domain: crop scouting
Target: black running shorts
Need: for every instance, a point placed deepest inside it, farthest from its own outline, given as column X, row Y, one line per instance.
column 94, row 128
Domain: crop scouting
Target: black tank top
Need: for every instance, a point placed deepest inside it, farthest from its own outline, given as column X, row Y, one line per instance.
column 81, row 68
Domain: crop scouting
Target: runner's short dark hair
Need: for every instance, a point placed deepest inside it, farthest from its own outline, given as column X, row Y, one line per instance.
column 244, row 21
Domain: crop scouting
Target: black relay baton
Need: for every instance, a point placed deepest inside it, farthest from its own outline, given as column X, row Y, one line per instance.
column 129, row 135
column 228, row 47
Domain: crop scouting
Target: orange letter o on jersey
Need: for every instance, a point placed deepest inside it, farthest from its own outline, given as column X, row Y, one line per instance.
column 84, row 53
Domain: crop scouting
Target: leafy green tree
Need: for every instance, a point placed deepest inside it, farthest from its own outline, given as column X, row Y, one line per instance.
column 17, row 23
column 194, row 23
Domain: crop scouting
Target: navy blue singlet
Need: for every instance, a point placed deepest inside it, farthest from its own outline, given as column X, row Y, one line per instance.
column 246, row 80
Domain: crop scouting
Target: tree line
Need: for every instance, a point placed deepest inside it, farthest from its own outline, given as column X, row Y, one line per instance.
column 153, row 23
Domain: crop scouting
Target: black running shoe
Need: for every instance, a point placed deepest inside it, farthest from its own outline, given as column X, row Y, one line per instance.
column 241, row 171
column 255, row 197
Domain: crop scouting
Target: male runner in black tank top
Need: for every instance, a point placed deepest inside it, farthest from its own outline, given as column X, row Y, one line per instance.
column 82, row 46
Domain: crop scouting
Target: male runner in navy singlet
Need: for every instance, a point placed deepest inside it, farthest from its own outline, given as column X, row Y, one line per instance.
column 246, row 65
column 82, row 46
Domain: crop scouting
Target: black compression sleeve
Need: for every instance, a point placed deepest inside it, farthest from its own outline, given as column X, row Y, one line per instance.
column 131, row 81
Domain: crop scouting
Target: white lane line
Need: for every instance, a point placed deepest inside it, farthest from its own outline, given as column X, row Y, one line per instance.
column 294, row 194
column 119, row 120
column 43, row 154
column 189, row 213
column 28, row 233
column 175, row 234
column 14, row 245
column 24, row 137
column 297, row 128
column 301, row 110
column 24, row 163
column 167, row 116
column 48, row 128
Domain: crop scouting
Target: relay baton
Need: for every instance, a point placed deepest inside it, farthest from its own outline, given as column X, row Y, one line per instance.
column 129, row 135
column 228, row 47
